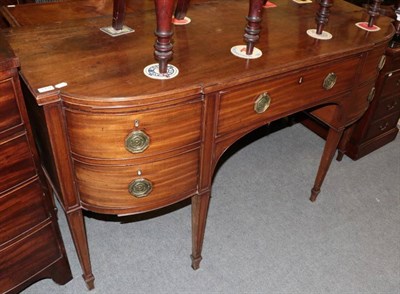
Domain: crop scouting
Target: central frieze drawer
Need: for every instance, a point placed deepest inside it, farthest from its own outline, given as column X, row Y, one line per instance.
column 104, row 136
column 170, row 180
column 292, row 92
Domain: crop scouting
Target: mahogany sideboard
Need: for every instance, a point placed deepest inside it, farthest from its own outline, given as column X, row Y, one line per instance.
column 117, row 142
column 31, row 247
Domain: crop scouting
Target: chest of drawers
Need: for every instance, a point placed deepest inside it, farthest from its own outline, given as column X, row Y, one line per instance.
column 30, row 244
column 379, row 124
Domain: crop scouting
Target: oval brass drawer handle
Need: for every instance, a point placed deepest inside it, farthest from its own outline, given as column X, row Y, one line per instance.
column 329, row 81
column 262, row 103
column 137, row 142
column 140, row 188
column 371, row 94
column 382, row 62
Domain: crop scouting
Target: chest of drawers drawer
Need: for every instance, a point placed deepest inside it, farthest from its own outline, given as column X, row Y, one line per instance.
column 9, row 111
column 26, row 202
column 387, row 106
column 132, row 135
column 16, row 162
column 135, row 187
column 238, row 106
column 31, row 254
column 391, row 84
column 382, row 125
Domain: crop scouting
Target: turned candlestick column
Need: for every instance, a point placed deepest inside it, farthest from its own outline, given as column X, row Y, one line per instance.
column 181, row 9
column 119, row 9
column 163, row 45
column 253, row 27
column 323, row 15
column 373, row 12
column 397, row 20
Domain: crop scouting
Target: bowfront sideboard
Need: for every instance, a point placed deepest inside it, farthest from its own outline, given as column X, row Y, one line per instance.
column 117, row 142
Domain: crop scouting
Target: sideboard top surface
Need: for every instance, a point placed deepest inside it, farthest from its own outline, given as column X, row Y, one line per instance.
column 98, row 67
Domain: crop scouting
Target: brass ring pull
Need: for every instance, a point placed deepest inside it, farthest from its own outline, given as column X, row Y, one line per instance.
column 262, row 103
column 137, row 142
column 371, row 95
column 140, row 188
column 329, row 81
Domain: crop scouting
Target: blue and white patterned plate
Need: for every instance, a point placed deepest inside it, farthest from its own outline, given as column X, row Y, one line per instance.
column 152, row 71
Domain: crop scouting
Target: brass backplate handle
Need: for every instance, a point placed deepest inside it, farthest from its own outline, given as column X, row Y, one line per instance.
column 262, row 103
column 382, row 62
column 140, row 188
column 329, row 81
column 371, row 95
column 137, row 142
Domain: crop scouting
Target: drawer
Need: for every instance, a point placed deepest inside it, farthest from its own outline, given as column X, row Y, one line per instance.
column 103, row 135
column 9, row 111
column 373, row 65
column 387, row 106
column 383, row 125
column 289, row 93
column 27, row 257
column 21, row 210
column 170, row 180
column 391, row 85
column 16, row 163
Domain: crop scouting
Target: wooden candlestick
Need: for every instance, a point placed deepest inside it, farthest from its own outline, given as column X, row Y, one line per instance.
column 253, row 27
column 323, row 14
column 119, row 9
column 163, row 45
column 373, row 12
column 397, row 15
column 181, row 9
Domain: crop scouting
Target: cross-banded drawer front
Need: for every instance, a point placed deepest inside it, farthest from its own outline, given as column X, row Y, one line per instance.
column 391, row 84
column 21, row 210
column 387, row 106
column 266, row 100
column 136, row 186
column 131, row 135
column 383, row 125
column 16, row 162
column 374, row 62
column 30, row 255
column 9, row 111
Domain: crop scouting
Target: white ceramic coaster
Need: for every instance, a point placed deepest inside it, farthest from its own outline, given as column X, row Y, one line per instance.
column 152, row 71
column 240, row 51
column 115, row 33
column 181, row 22
column 269, row 5
column 364, row 26
column 302, row 1
column 323, row 36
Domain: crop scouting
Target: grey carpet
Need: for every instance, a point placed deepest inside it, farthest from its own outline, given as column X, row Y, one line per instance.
column 263, row 234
